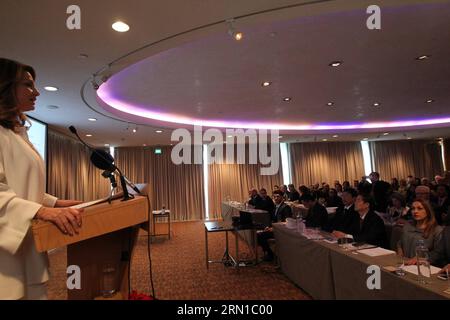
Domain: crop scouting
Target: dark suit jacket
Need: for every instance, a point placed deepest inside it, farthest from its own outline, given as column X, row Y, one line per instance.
column 283, row 212
column 345, row 220
column 440, row 256
column 372, row 231
column 440, row 209
column 293, row 196
column 254, row 200
column 265, row 204
column 381, row 191
column 317, row 217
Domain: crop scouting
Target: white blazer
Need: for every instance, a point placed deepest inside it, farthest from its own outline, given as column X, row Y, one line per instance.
column 22, row 194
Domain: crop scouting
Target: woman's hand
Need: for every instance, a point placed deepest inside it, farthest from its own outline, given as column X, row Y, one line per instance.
column 66, row 203
column 68, row 220
column 411, row 261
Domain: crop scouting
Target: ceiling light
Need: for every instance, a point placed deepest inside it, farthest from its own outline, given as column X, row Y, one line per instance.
column 120, row 26
column 335, row 136
column 424, row 57
column 144, row 145
column 376, row 104
column 365, row 139
column 52, row 107
column 83, row 56
column 229, row 136
column 134, row 130
column 330, row 104
column 324, row 139
column 89, row 135
column 266, row 83
column 237, row 35
column 51, row 89
column 409, row 138
column 386, row 133
column 287, row 99
column 158, row 131
column 92, row 119
column 280, row 137
column 430, row 100
column 106, row 144
column 335, row 63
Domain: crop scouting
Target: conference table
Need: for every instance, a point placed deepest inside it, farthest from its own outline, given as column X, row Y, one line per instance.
column 327, row 271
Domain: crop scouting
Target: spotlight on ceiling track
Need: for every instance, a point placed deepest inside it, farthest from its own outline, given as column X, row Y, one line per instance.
column 237, row 35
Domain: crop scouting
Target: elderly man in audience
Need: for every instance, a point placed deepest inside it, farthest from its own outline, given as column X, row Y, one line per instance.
column 422, row 227
column 346, row 218
column 371, row 227
column 281, row 212
column 440, row 256
column 317, row 216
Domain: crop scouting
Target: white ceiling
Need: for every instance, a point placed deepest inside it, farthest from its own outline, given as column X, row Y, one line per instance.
column 179, row 59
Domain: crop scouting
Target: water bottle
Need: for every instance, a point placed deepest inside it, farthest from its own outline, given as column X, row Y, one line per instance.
column 300, row 225
column 423, row 262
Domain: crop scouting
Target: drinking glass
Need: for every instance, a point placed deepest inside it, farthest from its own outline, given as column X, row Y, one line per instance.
column 108, row 287
column 400, row 265
column 424, row 270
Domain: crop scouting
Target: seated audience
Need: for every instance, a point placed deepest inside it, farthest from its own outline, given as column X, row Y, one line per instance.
column 422, row 227
column 302, row 190
column 395, row 184
column 285, row 191
column 339, row 190
column 281, row 212
column 423, row 193
column 371, row 227
column 346, row 218
column 397, row 209
column 317, row 216
column 333, row 199
column 441, row 203
column 346, row 185
column 293, row 193
column 381, row 191
column 403, row 188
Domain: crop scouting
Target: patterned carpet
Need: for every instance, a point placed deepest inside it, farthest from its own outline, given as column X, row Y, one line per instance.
column 179, row 270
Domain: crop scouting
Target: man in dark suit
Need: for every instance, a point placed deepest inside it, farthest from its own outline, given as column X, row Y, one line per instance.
column 371, row 230
column 253, row 197
column 317, row 216
column 293, row 194
column 381, row 191
column 264, row 202
column 346, row 218
column 281, row 212
column 441, row 204
column 440, row 256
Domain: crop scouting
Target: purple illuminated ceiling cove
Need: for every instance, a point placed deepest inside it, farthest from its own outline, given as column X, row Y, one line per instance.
column 127, row 108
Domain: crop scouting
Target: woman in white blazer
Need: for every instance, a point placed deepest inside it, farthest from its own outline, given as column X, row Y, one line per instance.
column 24, row 271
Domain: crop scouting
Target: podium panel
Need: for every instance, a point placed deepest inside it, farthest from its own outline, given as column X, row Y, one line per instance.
column 105, row 240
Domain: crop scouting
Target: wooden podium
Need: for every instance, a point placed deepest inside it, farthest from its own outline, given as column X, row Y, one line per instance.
column 107, row 237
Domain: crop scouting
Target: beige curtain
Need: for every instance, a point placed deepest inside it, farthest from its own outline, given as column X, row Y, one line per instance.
column 447, row 153
column 234, row 180
column 325, row 162
column 420, row 158
column 70, row 174
column 177, row 187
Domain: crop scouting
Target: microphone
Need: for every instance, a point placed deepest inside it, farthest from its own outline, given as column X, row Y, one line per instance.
column 104, row 161
column 110, row 175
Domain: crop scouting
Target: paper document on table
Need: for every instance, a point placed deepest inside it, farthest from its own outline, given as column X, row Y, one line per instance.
column 413, row 269
column 94, row 202
column 376, row 252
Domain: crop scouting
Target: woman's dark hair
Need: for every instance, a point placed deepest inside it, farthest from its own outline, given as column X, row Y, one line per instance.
column 10, row 75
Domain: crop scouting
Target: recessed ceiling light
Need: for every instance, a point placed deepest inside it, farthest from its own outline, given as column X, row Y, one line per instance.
column 386, row 133
column 158, row 131
column 335, row 136
column 92, row 119
column 423, row 57
column 376, row 104
column 324, row 139
column 144, row 144
column 89, row 135
column 365, row 139
column 83, row 56
column 430, row 100
column 120, row 26
column 134, row 130
column 51, row 89
column 106, row 144
column 335, row 63
column 52, row 107
column 409, row 138
column 287, row 99
column 330, row 104
column 266, row 83
column 229, row 136
column 280, row 137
